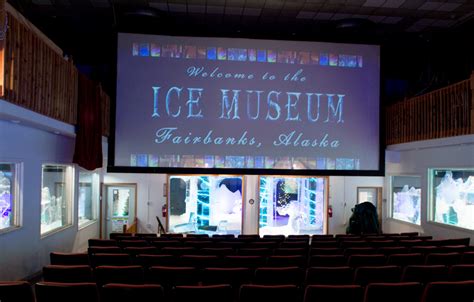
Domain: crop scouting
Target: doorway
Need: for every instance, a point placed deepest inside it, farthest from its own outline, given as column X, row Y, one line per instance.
column 120, row 207
column 372, row 195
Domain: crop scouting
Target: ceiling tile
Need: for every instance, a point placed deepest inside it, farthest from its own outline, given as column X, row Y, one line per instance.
column 391, row 20
column 305, row 15
column 163, row 6
column 200, row 9
column 374, row 3
column 252, row 11
column 42, row 2
column 179, row 8
column 393, row 3
column 323, row 16
column 429, row 5
column 449, row 7
column 215, row 10
column 233, row 11
column 376, row 19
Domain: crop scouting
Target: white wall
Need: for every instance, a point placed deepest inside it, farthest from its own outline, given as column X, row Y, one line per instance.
column 22, row 251
column 415, row 159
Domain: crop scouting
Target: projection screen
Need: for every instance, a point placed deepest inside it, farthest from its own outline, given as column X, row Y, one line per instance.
column 246, row 105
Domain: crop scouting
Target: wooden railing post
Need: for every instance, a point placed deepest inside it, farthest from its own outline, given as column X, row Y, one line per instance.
column 472, row 102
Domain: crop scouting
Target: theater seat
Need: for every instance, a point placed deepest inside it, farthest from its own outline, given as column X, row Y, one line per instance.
column 279, row 275
column 67, row 273
column 333, row 293
column 461, row 291
column 343, row 275
column 69, row 258
column 393, row 292
column 119, row 274
column 16, row 291
column 443, row 258
column 273, row 293
column 208, row 293
column 425, row 273
column 235, row 276
column 115, row 292
column 70, row 292
column 380, row 274
column 461, row 272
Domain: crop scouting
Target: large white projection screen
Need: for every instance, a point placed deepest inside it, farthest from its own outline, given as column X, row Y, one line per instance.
column 189, row 102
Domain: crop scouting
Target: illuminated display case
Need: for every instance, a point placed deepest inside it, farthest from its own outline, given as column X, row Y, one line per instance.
column 88, row 197
column 205, row 204
column 8, row 195
column 292, row 205
column 56, row 196
column 406, row 198
column 452, row 197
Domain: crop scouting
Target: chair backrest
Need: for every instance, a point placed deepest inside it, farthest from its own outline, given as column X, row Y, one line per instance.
column 69, row 258
column 134, row 251
column 104, row 250
column 169, row 277
column 406, row 259
column 327, row 260
column 244, row 261
column 16, row 291
column 71, row 292
column 366, row 260
column 390, row 250
column 381, row 274
column 291, row 251
column 67, row 273
column 393, row 292
column 114, row 292
column 217, row 251
column 132, row 274
column 208, row 293
column 443, row 258
column 102, row 242
column 235, row 276
column 255, row 251
column 333, row 293
column 327, row 251
column 360, row 251
column 110, row 259
column 461, row 272
column 274, row 293
column 279, row 275
column 460, row 291
column 286, row 260
column 133, row 243
column 156, row 260
column 200, row 261
column 425, row 273
column 342, row 275
column 325, row 244
column 179, row 251
column 467, row 258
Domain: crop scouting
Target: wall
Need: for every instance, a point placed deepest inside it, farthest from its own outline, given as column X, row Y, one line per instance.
column 23, row 251
column 415, row 159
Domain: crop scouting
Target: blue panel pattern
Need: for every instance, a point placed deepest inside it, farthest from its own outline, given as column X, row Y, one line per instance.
column 203, row 210
column 264, row 196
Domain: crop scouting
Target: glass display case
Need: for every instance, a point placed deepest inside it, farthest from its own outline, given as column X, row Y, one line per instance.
column 452, row 197
column 406, row 198
column 88, row 197
column 292, row 205
column 205, row 204
column 56, row 196
column 8, row 196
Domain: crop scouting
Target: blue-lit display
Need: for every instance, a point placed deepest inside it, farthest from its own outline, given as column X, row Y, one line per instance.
column 205, row 204
column 291, row 205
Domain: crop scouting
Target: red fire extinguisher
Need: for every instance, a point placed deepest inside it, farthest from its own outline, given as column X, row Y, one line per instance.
column 330, row 211
column 164, row 210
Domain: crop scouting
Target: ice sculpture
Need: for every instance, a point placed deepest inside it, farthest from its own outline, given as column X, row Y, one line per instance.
column 454, row 202
column 5, row 201
column 406, row 205
column 51, row 211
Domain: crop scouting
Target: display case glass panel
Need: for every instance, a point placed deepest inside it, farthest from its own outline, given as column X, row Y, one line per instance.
column 406, row 198
column 292, row 205
column 452, row 197
column 88, row 197
column 205, row 204
column 56, row 196
column 8, row 196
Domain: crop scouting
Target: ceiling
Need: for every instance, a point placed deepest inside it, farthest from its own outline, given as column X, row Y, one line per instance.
column 86, row 29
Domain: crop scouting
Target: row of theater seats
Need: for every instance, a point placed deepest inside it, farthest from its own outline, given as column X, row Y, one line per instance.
column 170, row 258
column 169, row 277
column 376, row 292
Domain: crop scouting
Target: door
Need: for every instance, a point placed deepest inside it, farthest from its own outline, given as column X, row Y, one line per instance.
column 372, row 195
column 120, row 207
